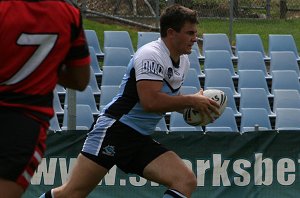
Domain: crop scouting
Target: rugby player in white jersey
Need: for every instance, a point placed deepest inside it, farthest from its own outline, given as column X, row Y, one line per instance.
column 121, row 135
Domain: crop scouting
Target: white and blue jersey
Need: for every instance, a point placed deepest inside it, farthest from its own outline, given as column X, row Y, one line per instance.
column 150, row 62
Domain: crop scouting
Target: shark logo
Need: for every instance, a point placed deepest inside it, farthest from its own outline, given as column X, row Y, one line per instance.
column 109, row 150
column 170, row 72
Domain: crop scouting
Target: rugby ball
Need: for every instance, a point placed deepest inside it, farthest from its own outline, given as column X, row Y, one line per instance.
column 194, row 118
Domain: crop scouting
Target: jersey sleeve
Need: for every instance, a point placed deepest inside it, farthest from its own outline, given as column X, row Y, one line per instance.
column 148, row 66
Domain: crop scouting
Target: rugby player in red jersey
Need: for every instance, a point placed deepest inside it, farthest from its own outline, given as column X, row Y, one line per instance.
column 42, row 43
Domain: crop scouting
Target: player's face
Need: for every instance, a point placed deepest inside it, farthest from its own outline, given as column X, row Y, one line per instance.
column 186, row 38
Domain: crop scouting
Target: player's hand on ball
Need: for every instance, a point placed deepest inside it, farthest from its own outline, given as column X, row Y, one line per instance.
column 205, row 105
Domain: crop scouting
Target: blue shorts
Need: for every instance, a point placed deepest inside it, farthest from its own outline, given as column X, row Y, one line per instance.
column 114, row 143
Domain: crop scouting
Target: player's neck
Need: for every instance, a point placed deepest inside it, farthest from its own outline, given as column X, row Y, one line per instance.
column 175, row 56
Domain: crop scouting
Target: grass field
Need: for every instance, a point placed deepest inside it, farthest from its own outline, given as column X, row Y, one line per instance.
column 261, row 27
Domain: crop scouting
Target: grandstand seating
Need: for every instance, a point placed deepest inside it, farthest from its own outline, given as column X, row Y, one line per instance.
column 195, row 64
column 108, row 92
column 94, row 62
column 116, row 56
column 252, row 60
column 285, row 79
column 286, row 99
column 177, row 123
column 113, row 75
column 192, row 79
column 253, row 79
column 219, row 78
column 249, row 42
column 283, row 42
column 93, row 41
column 54, row 124
column 118, row 39
column 218, row 41
column 85, row 97
column 287, row 119
column 255, row 98
column 225, row 123
column 219, row 59
column 284, row 60
column 146, row 37
column 195, row 47
column 57, row 104
column 93, row 83
column 280, row 77
column 255, row 117
column 162, row 126
column 84, row 117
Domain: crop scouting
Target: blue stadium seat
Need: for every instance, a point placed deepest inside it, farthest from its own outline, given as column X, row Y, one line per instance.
column 118, row 39
column 113, row 75
column 225, row 123
column 185, row 90
column 285, row 79
column 116, row 56
column 219, row 78
column 250, row 42
column 287, row 119
column 255, row 98
column 255, row 116
column 146, row 37
column 252, row 60
column 162, row 126
column 195, row 47
column 253, row 79
column 177, row 123
column 219, row 59
column 216, row 41
column 286, row 99
column 54, row 124
column 283, row 42
column 94, row 62
column 60, row 89
column 93, row 41
column 192, row 79
column 107, row 94
column 57, row 104
column 284, row 60
column 93, row 83
column 85, row 97
column 84, row 117
column 195, row 64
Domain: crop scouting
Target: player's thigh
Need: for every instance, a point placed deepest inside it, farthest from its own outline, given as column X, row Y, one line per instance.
column 167, row 169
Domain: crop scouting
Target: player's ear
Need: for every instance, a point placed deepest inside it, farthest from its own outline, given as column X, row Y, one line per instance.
column 171, row 32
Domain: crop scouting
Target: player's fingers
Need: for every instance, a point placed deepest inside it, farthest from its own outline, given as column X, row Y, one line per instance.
column 209, row 114
column 214, row 110
column 214, row 103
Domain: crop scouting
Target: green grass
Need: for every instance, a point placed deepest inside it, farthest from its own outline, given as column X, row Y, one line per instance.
column 261, row 27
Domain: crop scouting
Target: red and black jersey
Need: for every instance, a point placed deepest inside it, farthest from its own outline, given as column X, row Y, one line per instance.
column 36, row 38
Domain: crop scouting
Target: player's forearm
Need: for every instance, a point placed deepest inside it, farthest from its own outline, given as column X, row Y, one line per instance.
column 165, row 103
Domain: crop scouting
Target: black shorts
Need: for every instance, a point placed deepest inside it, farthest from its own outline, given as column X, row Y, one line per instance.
column 122, row 146
column 22, row 145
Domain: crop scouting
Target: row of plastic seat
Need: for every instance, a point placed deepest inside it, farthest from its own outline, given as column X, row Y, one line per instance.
column 249, row 98
column 214, row 60
column 252, row 119
column 244, row 42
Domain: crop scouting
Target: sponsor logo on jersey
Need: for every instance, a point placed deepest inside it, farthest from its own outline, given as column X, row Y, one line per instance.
column 109, row 150
column 150, row 66
column 170, row 72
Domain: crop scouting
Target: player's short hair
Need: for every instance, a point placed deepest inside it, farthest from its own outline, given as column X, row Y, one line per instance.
column 175, row 17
